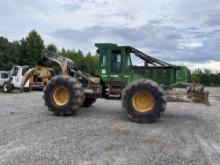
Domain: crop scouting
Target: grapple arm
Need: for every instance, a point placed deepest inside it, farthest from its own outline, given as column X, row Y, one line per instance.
column 65, row 63
column 68, row 67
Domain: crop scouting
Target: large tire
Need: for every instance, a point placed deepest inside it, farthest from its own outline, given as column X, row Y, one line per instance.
column 63, row 95
column 8, row 87
column 143, row 100
column 88, row 102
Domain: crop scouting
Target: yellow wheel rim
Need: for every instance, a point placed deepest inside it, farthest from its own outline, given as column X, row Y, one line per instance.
column 61, row 96
column 143, row 101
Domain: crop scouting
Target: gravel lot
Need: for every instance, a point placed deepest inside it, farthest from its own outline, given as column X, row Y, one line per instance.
column 29, row 134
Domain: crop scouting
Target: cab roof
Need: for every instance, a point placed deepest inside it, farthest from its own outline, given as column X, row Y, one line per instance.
column 110, row 45
column 145, row 57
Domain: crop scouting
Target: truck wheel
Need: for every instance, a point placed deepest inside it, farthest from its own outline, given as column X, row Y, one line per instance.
column 88, row 102
column 63, row 95
column 143, row 101
column 8, row 87
column 27, row 89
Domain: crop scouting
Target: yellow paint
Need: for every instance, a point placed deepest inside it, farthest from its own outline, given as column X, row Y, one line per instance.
column 143, row 101
column 45, row 80
column 61, row 96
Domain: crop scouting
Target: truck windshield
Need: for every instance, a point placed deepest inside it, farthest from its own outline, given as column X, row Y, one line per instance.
column 4, row 75
column 14, row 71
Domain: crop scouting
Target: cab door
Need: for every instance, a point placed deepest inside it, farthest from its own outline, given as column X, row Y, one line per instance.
column 116, row 65
column 127, row 68
column 104, row 69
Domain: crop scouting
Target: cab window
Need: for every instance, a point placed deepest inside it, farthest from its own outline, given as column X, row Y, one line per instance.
column 116, row 61
column 104, row 59
column 129, row 65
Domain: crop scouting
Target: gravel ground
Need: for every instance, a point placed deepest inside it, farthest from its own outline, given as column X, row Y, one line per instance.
column 29, row 134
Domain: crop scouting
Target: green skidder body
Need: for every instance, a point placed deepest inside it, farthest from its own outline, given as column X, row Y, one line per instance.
column 119, row 64
column 143, row 84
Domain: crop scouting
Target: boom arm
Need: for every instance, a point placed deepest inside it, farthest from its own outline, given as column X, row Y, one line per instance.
column 64, row 63
column 149, row 59
column 67, row 67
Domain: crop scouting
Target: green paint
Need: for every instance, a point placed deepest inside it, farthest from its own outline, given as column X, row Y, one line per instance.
column 126, row 73
column 183, row 75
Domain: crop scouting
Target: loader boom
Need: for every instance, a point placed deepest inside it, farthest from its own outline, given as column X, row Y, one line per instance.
column 65, row 63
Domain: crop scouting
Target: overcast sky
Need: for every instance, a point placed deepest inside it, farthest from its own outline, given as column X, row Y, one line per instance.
column 179, row 31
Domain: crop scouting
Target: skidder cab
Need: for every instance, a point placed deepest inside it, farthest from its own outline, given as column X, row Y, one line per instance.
column 144, row 84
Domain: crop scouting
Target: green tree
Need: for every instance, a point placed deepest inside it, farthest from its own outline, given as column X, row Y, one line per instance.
column 206, row 77
column 198, row 72
column 195, row 78
column 87, row 63
column 207, row 72
column 52, row 48
column 95, row 63
column 8, row 54
column 76, row 56
column 30, row 49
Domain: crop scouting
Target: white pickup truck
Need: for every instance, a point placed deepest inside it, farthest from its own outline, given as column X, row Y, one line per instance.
column 15, row 79
column 4, row 76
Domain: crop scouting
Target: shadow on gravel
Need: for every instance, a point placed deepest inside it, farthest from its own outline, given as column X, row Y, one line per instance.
column 107, row 113
column 93, row 112
column 167, row 118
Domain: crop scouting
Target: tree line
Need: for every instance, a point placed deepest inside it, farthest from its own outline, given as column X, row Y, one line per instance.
column 205, row 77
column 28, row 50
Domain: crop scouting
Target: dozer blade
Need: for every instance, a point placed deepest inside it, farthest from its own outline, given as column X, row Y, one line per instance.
column 197, row 95
column 200, row 98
